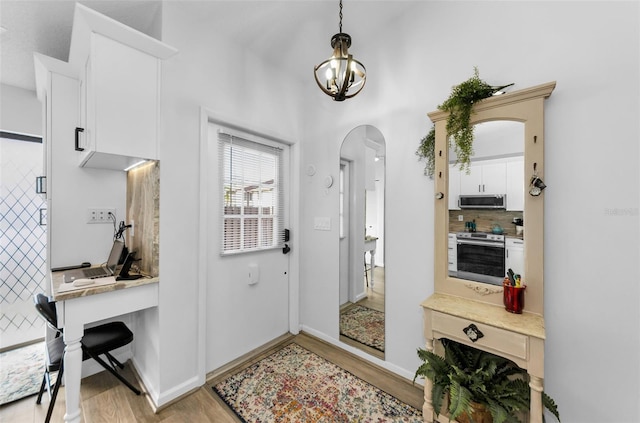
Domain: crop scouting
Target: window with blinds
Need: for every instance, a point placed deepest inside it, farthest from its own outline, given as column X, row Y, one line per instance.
column 253, row 195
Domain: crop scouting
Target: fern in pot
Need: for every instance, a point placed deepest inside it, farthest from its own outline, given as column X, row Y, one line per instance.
column 476, row 380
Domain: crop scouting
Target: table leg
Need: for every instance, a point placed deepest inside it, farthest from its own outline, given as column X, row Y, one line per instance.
column 535, row 415
column 427, row 407
column 373, row 266
column 72, row 371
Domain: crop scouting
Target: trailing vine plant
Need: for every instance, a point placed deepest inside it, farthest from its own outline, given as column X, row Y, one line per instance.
column 459, row 105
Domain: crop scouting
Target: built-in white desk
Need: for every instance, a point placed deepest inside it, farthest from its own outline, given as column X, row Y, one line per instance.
column 79, row 307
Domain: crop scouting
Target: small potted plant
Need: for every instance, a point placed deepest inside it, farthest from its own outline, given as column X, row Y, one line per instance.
column 460, row 106
column 482, row 387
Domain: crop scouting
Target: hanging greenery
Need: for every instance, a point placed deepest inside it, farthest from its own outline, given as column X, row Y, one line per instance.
column 459, row 105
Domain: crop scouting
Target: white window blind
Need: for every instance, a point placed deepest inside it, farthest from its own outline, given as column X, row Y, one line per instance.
column 252, row 191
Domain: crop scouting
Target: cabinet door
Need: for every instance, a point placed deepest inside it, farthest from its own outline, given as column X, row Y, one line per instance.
column 452, row 254
column 125, row 92
column 471, row 182
column 515, row 184
column 85, row 119
column 494, row 178
column 514, row 257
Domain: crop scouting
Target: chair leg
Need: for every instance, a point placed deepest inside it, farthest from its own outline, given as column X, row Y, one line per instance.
column 54, row 395
column 113, row 372
column 42, row 386
column 112, row 360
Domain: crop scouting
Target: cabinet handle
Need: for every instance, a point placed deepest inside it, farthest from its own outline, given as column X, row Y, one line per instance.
column 43, row 217
column 78, row 130
column 41, row 187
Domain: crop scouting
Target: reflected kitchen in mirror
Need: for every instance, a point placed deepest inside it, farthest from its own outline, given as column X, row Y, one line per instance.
column 486, row 205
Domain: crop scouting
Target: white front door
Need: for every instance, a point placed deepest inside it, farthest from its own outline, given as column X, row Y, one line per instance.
column 247, row 291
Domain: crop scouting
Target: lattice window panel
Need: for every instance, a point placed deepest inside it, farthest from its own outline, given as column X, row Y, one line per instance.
column 22, row 238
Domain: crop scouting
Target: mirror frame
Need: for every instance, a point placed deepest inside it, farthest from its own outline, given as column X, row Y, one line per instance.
column 526, row 106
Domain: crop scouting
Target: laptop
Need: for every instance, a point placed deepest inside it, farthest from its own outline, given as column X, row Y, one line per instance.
column 98, row 272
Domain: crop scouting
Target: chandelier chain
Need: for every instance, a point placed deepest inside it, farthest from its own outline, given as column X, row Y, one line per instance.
column 340, row 16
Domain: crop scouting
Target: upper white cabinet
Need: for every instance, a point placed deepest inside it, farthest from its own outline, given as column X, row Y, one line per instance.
column 119, row 70
column 486, row 177
column 490, row 177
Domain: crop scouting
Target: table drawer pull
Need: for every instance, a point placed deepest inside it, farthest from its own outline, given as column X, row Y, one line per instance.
column 473, row 332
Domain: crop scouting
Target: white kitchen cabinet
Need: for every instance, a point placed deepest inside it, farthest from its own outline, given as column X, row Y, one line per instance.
column 453, row 253
column 119, row 71
column 515, row 184
column 514, row 256
column 484, row 177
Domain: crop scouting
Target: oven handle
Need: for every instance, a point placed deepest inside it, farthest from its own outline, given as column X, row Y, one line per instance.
column 482, row 243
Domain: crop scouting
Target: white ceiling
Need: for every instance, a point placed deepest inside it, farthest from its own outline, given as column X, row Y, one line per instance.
column 293, row 31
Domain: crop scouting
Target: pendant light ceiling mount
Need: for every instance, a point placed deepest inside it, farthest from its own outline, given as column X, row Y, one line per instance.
column 340, row 76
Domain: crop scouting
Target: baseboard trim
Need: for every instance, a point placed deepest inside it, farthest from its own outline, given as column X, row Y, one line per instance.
column 248, row 356
column 392, row 368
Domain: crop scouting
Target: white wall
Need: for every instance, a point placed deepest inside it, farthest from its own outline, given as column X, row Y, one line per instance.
column 211, row 72
column 591, row 226
column 20, row 111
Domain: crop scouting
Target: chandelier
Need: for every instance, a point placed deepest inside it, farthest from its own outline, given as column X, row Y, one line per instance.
column 340, row 76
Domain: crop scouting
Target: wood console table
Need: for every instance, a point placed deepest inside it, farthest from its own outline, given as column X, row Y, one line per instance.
column 517, row 337
column 79, row 307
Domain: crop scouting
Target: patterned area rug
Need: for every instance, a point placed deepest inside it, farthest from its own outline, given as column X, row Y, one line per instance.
column 363, row 325
column 296, row 385
column 21, row 372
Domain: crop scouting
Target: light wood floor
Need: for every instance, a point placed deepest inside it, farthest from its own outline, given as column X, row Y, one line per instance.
column 105, row 399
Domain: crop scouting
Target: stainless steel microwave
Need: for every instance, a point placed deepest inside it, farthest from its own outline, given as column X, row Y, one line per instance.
column 497, row 201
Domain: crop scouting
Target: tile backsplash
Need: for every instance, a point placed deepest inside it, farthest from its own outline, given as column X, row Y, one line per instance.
column 485, row 219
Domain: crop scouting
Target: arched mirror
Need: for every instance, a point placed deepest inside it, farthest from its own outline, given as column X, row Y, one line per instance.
column 362, row 276
column 481, row 214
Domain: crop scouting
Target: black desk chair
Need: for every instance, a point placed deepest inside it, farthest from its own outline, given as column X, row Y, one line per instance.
column 99, row 340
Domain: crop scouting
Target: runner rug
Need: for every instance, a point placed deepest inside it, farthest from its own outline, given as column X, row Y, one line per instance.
column 364, row 325
column 296, row 385
column 21, row 372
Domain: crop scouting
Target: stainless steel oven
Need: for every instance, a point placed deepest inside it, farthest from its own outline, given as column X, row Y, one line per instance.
column 481, row 257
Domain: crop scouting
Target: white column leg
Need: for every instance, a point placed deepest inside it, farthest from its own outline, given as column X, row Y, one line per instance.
column 535, row 383
column 373, row 266
column 72, row 371
column 427, row 407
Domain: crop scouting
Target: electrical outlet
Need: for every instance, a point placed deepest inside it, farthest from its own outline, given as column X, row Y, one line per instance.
column 101, row 215
column 460, row 218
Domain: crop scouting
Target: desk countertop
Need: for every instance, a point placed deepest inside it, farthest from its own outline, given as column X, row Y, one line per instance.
column 56, row 282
